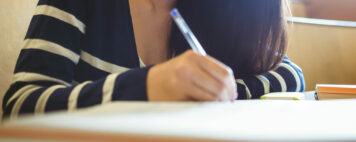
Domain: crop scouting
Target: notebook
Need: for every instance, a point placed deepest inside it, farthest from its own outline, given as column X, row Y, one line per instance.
column 330, row 91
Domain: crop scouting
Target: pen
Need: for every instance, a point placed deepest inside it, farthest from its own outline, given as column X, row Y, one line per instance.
column 190, row 37
column 188, row 34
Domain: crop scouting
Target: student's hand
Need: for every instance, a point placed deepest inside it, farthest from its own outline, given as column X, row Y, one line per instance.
column 191, row 77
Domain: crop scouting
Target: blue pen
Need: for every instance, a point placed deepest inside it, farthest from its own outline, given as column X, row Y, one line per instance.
column 188, row 34
column 190, row 37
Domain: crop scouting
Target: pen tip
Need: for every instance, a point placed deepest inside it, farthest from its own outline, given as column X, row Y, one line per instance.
column 174, row 12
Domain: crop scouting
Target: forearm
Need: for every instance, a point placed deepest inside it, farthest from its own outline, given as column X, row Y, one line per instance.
column 38, row 97
column 288, row 77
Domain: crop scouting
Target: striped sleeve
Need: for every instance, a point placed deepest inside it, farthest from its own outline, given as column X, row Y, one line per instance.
column 288, row 77
column 43, row 75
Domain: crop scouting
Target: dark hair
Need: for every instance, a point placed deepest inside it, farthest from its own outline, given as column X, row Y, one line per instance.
column 247, row 35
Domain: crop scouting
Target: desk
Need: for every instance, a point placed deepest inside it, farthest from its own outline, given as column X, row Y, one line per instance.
column 253, row 120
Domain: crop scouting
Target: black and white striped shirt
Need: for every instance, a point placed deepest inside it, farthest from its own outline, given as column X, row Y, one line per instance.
column 80, row 53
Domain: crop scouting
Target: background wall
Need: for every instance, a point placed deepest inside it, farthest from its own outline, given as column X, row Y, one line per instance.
column 325, row 53
column 328, row 9
column 15, row 17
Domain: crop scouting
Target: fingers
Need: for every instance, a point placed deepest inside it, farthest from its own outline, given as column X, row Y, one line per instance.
column 190, row 77
column 213, row 67
column 195, row 92
column 205, row 81
column 217, row 70
column 198, row 94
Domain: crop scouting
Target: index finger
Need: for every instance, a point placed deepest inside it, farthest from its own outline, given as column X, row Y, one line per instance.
column 215, row 67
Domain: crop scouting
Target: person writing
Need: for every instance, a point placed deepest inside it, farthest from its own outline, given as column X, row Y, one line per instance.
column 83, row 53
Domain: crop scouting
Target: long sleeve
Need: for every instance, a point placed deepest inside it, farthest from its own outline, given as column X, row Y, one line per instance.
column 288, row 77
column 43, row 76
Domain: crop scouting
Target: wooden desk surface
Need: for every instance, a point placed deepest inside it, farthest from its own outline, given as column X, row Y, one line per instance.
column 50, row 134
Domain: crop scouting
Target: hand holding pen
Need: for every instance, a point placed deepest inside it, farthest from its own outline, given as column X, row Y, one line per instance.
column 192, row 76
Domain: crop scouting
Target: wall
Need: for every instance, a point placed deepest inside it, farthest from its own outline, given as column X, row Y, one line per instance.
column 331, row 9
column 15, row 17
column 298, row 9
column 325, row 53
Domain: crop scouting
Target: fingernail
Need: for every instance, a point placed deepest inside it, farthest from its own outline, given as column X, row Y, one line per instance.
column 229, row 70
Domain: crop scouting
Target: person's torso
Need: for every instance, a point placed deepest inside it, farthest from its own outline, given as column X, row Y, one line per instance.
column 108, row 45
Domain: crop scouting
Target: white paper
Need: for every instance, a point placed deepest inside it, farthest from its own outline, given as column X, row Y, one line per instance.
column 240, row 120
